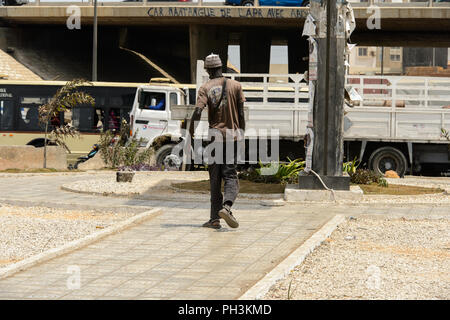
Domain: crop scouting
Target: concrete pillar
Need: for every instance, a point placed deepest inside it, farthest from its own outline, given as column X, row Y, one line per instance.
column 298, row 50
column 204, row 40
column 255, row 52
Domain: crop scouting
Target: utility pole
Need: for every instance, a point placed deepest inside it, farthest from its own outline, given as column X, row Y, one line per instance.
column 94, row 44
column 328, row 107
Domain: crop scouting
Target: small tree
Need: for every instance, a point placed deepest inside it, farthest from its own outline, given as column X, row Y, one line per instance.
column 124, row 151
column 64, row 99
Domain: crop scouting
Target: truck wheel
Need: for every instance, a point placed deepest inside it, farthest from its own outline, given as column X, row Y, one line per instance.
column 165, row 158
column 388, row 158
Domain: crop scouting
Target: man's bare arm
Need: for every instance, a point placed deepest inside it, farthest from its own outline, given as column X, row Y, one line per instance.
column 241, row 115
column 194, row 120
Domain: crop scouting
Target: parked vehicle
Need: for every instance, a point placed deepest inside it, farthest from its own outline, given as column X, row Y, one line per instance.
column 269, row 3
column 13, row 2
column 157, row 0
column 396, row 126
column 19, row 116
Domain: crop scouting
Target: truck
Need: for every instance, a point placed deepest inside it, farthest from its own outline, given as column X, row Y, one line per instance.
column 398, row 124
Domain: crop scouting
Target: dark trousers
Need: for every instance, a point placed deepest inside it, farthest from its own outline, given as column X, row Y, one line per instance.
column 226, row 172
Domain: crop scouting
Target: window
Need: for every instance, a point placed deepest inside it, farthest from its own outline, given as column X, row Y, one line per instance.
column 114, row 119
column 173, row 99
column 29, row 118
column 362, row 52
column 153, row 101
column 6, row 115
column 83, row 119
column 34, row 100
column 395, row 57
column 124, row 100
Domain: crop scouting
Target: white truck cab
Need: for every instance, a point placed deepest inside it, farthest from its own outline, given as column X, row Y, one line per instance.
column 150, row 116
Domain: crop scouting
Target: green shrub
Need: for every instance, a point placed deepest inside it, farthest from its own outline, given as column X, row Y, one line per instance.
column 285, row 172
column 365, row 176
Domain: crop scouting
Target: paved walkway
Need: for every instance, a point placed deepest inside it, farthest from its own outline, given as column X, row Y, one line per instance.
column 169, row 256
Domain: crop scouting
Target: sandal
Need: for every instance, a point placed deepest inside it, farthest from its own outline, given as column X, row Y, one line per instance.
column 225, row 214
column 212, row 223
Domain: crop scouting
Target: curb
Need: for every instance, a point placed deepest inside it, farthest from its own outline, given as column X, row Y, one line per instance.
column 180, row 197
column 76, row 244
column 257, row 291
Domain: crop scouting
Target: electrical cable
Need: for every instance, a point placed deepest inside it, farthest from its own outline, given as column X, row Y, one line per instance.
column 325, row 186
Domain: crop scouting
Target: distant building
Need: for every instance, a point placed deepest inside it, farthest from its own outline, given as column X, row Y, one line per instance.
column 376, row 60
column 397, row 61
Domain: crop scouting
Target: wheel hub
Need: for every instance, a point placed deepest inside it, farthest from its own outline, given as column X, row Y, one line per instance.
column 172, row 162
column 387, row 164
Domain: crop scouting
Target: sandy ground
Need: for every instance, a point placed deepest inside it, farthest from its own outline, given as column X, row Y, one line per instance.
column 26, row 231
column 375, row 258
column 142, row 182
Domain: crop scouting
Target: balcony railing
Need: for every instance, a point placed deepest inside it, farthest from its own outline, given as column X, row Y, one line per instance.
column 354, row 3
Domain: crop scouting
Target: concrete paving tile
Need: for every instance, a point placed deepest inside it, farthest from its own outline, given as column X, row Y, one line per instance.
column 155, row 275
column 226, row 293
column 4, row 295
column 77, row 297
column 47, row 295
column 124, row 292
column 90, row 290
column 159, row 293
column 198, row 290
column 139, row 284
column 110, row 298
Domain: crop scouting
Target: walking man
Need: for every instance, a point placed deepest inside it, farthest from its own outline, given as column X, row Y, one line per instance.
column 225, row 101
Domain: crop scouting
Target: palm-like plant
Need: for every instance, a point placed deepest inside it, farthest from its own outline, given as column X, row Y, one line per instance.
column 351, row 166
column 282, row 172
column 445, row 134
column 64, row 99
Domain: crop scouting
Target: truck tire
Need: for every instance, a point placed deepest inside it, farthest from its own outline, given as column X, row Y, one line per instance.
column 388, row 158
column 247, row 3
column 164, row 157
column 39, row 143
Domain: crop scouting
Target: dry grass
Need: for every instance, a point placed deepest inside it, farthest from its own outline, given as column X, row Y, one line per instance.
column 269, row 188
column 397, row 190
column 245, row 186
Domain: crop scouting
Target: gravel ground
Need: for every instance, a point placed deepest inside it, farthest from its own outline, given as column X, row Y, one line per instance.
column 26, row 231
column 375, row 258
column 142, row 182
